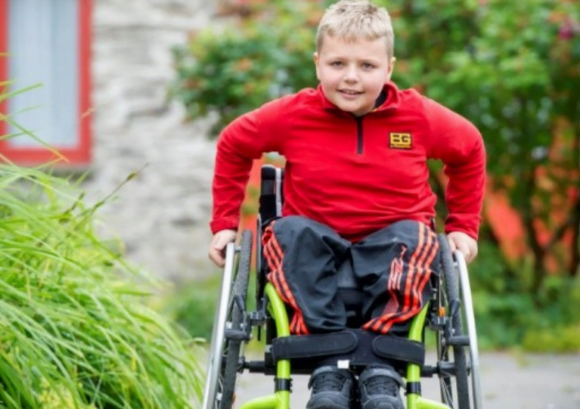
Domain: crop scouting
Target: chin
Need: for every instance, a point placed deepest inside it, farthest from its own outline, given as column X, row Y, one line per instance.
column 349, row 110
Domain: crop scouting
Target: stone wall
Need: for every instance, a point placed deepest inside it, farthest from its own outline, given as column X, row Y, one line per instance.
column 162, row 215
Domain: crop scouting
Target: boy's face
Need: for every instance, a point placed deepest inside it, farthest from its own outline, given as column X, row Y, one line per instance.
column 352, row 74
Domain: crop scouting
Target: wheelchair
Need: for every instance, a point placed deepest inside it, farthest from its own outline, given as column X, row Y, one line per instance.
column 449, row 314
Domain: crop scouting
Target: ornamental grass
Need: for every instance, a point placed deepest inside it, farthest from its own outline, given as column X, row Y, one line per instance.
column 75, row 328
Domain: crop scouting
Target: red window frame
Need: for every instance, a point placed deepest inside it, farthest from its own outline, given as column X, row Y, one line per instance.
column 80, row 155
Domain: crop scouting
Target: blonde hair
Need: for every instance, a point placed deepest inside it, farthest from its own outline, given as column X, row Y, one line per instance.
column 351, row 20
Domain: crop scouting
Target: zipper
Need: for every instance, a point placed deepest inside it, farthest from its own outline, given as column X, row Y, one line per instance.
column 359, row 131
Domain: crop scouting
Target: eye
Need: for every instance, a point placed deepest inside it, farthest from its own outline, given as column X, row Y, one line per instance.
column 336, row 64
column 368, row 66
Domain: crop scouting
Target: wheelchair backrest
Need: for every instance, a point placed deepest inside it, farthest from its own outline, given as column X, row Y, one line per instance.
column 271, row 193
column 271, row 200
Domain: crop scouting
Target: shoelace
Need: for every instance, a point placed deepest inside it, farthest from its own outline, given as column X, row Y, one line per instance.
column 327, row 382
column 381, row 385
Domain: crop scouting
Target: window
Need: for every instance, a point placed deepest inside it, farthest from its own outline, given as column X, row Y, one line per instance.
column 46, row 42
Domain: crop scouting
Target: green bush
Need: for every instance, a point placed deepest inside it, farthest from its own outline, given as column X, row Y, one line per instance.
column 192, row 305
column 236, row 70
column 508, row 314
column 558, row 339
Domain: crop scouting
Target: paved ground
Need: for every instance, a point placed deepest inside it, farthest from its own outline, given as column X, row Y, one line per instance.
column 508, row 382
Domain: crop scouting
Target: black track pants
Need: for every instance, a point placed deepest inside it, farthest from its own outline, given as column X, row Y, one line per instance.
column 392, row 266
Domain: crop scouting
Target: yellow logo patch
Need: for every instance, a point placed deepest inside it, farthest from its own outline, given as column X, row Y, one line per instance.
column 398, row 140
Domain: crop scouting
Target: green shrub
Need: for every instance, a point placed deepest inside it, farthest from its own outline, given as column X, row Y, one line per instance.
column 557, row 339
column 508, row 314
column 192, row 305
column 237, row 69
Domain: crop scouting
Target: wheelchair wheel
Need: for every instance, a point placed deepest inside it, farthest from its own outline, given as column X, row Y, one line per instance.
column 229, row 332
column 471, row 330
column 457, row 379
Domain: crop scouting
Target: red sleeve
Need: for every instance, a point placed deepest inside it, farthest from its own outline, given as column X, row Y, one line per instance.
column 458, row 143
column 242, row 141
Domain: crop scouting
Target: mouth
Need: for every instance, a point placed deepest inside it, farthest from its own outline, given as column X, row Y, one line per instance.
column 349, row 92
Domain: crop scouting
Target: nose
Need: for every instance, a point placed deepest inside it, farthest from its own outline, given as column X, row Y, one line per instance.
column 351, row 74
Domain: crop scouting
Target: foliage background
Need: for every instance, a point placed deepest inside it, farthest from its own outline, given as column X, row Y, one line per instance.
column 512, row 68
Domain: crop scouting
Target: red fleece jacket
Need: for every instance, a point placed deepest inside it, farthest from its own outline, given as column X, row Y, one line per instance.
column 355, row 175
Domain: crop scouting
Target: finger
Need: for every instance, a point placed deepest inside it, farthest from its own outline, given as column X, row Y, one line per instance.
column 472, row 255
column 463, row 248
column 222, row 242
column 213, row 243
column 471, row 247
column 216, row 256
column 452, row 245
column 218, row 246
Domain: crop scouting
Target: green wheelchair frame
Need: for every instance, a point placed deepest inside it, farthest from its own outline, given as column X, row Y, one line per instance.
column 281, row 399
column 446, row 313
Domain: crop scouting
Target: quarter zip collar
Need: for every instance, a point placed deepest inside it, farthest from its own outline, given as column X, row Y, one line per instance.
column 391, row 102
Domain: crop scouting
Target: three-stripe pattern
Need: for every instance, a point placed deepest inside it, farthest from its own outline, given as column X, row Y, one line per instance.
column 275, row 259
column 406, row 284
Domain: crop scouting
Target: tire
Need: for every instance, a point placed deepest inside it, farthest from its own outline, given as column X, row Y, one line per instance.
column 450, row 292
column 236, row 318
column 445, row 384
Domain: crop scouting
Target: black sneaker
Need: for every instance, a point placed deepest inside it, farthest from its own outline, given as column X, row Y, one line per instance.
column 378, row 388
column 332, row 388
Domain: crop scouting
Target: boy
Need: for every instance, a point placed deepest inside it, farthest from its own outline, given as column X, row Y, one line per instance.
column 356, row 191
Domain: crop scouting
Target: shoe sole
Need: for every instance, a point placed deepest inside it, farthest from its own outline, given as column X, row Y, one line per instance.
column 326, row 404
column 382, row 405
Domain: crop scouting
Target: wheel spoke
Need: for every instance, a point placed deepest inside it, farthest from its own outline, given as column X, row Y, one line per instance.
column 447, row 394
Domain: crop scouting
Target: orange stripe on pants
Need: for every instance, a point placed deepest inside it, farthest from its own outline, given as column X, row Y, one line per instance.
column 418, row 274
column 275, row 258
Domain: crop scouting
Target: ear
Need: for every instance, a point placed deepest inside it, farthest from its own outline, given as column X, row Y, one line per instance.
column 391, row 67
column 316, row 58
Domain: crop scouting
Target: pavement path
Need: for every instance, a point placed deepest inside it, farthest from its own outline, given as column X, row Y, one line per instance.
column 508, row 381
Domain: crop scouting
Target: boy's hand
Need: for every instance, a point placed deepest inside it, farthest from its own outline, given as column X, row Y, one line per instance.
column 464, row 243
column 218, row 245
